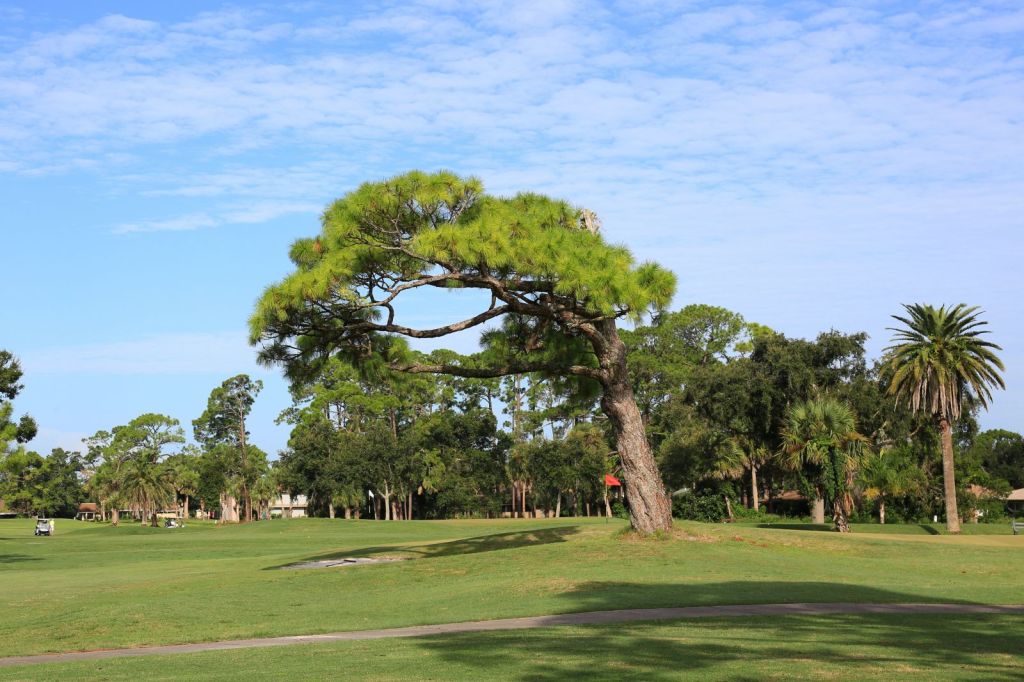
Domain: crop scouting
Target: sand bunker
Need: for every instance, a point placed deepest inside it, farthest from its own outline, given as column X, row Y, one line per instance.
column 341, row 563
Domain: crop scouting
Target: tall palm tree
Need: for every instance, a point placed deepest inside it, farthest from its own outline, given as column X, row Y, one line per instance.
column 937, row 363
column 820, row 440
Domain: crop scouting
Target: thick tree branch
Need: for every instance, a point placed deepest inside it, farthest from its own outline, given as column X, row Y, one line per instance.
column 429, row 333
column 501, row 370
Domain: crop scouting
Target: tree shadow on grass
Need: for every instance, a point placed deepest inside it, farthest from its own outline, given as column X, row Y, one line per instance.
column 16, row 558
column 798, row 646
column 928, row 529
column 494, row 542
column 798, row 526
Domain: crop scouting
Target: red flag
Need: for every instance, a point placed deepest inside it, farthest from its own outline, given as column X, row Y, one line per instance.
column 610, row 480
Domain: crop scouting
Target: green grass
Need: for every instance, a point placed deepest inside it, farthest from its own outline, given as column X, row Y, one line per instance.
column 891, row 528
column 94, row 586
column 794, row 647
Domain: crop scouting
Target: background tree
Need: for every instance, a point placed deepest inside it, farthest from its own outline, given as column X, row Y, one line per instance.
column 936, row 364
column 223, row 424
column 1000, row 454
column 821, row 440
column 132, row 469
column 888, row 474
column 539, row 261
column 24, row 429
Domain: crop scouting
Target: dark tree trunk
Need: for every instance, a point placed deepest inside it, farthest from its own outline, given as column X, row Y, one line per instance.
column 948, row 476
column 839, row 517
column 649, row 508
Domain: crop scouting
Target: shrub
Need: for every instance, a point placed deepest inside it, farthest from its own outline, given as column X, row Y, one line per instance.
column 708, row 507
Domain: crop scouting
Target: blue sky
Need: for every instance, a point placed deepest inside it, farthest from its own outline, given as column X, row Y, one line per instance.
column 811, row 166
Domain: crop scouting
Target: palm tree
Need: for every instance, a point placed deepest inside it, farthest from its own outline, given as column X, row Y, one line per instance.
column 147, row 486
column 889, row 474
column 740, row 454
column 938, row 363
column 820, row 440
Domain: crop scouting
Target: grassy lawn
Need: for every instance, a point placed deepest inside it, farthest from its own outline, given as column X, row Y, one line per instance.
column 94, row 586
column 794, row 647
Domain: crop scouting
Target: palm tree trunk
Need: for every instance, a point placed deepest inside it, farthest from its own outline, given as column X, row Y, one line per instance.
column 948, row 476
column 818, row 509
column 753, row 487
column 839, row 516
column 881, row 513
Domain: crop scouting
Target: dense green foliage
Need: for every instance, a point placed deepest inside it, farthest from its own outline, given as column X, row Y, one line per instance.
column 22, row 430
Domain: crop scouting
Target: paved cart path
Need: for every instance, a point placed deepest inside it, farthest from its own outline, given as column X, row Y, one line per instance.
column 585, row 618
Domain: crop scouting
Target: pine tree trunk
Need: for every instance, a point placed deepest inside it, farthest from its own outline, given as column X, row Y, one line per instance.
column 649, row 509
column 948, row 476
column 330, row 510
column 607, row 506
column 881, row 513
column 558, row 506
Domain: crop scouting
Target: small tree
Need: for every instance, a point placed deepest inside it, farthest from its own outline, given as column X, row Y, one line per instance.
column 821, row 441
column 889, row 474
column 540, row 263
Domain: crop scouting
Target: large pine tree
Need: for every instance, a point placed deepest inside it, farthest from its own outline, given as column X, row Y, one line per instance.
column 545, row 268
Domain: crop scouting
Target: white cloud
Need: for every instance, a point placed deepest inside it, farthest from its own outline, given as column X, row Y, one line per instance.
column 192, row 221
column 167, row 354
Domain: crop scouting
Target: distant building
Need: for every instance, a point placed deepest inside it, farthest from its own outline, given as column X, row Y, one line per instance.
column 1015, row 502
column 288, row 507
column 87, row 511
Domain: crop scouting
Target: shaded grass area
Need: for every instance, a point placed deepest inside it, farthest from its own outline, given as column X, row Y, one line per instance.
column 791, row 647
column 93, row 586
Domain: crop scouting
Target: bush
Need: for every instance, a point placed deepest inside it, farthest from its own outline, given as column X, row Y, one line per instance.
column 708, row 507
column 741, row 513
column 620, row 510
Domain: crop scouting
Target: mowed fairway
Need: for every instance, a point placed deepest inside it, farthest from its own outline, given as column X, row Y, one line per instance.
column 94, row 586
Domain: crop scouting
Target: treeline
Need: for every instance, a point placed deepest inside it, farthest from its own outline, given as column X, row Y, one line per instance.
column 744, row 422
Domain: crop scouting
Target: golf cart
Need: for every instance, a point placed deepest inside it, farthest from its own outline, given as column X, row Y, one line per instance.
column 44, row 527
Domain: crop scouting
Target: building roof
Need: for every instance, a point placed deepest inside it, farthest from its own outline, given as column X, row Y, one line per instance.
column 88, row 507
column 981, row 491
column 1017, row 495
